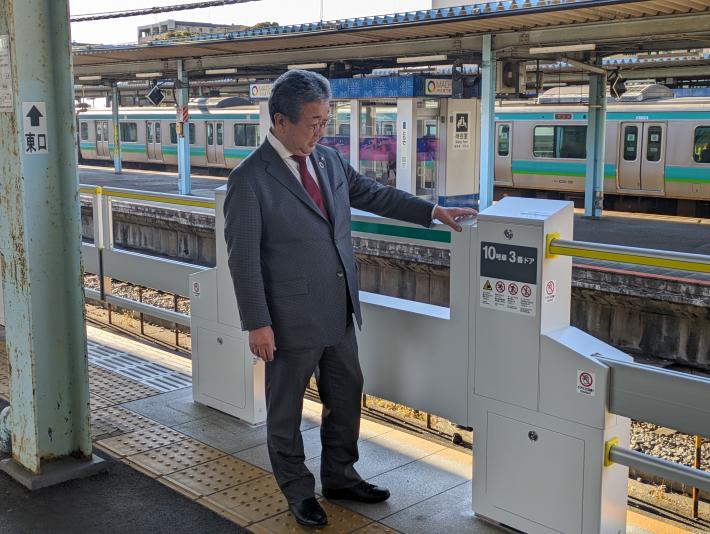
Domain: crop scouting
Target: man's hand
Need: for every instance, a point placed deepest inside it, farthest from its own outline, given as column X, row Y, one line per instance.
column 451, row 216
column 261, row 343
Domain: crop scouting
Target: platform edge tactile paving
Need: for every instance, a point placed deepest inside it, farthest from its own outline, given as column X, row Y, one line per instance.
column 211, row 477
column 142, row 440
column 251, row 502
column 340, row 520
column 174, row 457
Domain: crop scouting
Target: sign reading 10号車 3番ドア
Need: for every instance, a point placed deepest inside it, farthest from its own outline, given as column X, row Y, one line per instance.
column 508, row 278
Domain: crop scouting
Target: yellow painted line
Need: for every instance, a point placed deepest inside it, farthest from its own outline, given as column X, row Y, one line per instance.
column 161, row 199
column 652, row 525
column 90, row 190
column 636, row 259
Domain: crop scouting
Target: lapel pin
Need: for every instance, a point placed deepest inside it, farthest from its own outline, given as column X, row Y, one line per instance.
column 321, row 163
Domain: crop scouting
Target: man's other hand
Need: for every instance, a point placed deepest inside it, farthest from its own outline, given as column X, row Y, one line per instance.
column 261, row 343
column 451, row 216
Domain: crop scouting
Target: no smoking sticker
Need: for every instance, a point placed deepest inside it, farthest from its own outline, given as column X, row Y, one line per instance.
column 586, row 383
column 550, row 291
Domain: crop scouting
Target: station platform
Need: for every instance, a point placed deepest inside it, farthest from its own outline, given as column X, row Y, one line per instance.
column 176, row 466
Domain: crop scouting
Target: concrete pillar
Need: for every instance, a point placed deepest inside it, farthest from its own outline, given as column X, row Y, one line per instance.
column 115, row 103
column 183, row 142
column 488, row 102
column 596, row 128
column 40, row 243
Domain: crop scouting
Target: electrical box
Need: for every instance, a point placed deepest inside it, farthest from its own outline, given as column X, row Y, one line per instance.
column 225, row 375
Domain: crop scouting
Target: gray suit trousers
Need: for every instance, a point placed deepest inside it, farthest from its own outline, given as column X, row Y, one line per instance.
column 340, row 385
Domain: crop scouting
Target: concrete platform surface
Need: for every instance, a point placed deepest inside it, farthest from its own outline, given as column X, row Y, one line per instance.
column 183, row 465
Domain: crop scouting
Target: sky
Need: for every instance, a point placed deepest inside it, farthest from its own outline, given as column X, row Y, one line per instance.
column 124, row 30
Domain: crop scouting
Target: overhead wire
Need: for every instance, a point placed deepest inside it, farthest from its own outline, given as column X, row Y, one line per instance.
column 154, row 10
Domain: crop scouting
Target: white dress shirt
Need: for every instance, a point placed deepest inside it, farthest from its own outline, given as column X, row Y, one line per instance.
column 292, row 164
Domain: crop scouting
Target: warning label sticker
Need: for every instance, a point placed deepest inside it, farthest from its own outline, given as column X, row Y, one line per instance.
column 508, row 296
column 586, row 383
column 550, row 291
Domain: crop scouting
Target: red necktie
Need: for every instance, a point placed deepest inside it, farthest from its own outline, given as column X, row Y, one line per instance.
column 310, row 184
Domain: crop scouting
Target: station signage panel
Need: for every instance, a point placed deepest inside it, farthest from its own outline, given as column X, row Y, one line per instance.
column 438, row 87
column 260, row 91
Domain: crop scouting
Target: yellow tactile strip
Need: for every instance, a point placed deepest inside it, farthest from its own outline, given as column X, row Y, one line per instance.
column 250, row 502
column 176, row 457
column 141, row 440
column 340, row 521
column 114, row 420
column 211, row 477
column 235, row 489
column 117, row 389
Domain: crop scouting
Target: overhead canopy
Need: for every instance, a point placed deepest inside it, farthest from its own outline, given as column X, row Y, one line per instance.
column 614, row 26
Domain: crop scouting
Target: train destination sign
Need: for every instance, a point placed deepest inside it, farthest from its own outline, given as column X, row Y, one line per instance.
column 508, row 278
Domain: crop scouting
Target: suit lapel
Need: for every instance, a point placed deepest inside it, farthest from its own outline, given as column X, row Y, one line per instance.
column 276, row 167
column 320, row 164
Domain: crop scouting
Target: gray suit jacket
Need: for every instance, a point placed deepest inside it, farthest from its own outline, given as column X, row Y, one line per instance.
column 292, row 268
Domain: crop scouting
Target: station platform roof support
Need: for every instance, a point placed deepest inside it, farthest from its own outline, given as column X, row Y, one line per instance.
column 40, row 243
column 582, row 32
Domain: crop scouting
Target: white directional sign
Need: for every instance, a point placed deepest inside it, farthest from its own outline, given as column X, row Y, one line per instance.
column 34, row 118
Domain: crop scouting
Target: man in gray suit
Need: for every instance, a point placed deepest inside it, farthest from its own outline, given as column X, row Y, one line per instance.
column 287, row 227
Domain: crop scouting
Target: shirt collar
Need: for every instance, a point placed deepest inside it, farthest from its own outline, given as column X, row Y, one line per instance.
column 281, row 150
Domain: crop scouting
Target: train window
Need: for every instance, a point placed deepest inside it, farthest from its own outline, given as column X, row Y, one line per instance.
column 158, row 138
column 210, row 133
column 129, row 132
column 560, row 142
column 246, row 135
column 173, row 133
column 148, row 132
column 84, row 131
column 631, row 135
column 220, row 136
column 653, row 146
column 701, row 148
column 503, row 139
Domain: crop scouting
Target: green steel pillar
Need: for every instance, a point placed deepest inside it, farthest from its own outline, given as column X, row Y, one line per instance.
column 115, row 103
column 40, row 240
column 596, row 128
column 488, row 102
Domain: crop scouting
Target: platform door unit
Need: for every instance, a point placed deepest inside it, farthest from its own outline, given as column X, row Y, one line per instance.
column 214, row 133
column 503, row 170
column 642, row 155
column 153, row 140
column 102, row 137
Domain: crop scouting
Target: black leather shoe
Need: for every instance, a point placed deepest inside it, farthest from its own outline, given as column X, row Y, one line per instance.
column 309, row 513
column 362, row 492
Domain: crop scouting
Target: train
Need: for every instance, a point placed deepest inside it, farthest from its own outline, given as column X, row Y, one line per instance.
column 653, row 150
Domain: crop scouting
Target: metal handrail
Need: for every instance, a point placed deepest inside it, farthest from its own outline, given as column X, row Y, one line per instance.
column 148, row 196
column 639, row 256
column 657, row 466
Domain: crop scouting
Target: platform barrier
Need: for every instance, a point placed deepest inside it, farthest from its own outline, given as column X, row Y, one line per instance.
column 549, row 404
column 107, row 261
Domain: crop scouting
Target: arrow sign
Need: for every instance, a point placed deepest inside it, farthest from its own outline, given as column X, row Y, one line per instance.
column 34, row 115
column 35, row 138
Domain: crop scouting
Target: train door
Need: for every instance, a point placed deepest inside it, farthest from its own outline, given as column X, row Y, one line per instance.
column 102, row 137
column 427, row 151
column 653, row 157
column 642, row 156
column 214, row 132
column 503, row 170
column 153, row 140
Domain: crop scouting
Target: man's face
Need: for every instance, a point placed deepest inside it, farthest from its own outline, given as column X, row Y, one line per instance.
column 301, row 137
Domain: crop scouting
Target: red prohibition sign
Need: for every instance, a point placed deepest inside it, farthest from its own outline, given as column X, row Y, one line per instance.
column 586, row 379
column 525, row 290
column 500, row 287
column 512, row 289
column 550, row 287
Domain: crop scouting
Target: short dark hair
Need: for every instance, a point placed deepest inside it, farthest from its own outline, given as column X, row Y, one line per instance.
column 295, row 88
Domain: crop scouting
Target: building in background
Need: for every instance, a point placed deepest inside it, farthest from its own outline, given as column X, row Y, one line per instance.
column 168, row 29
